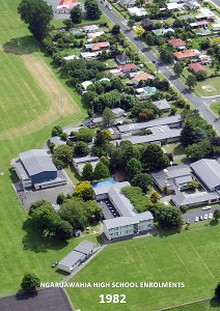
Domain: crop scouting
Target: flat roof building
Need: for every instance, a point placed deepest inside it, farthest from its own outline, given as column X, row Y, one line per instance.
column 35, row 168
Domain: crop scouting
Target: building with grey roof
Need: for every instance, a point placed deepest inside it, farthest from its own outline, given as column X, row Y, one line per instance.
column 172, row 122
column 177, row 179
column 80, row 254
column 208, row 172
column 162, row 105
column 160, row 135
column 57, row 141
column 129, row 222
column 35, row 168
column 80, row 162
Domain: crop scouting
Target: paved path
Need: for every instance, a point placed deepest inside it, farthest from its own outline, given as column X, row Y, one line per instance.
column 202, row 104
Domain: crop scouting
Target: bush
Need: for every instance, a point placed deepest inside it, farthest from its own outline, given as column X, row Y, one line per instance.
column 140, row 202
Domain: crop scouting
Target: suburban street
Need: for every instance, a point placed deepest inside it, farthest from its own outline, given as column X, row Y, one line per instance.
column 202, row 104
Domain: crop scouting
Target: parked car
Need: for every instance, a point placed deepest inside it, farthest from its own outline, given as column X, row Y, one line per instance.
column 197, row 218
column 188, row 221
column 54, row 264
column 201, row 218
column 206, row 208
column 205, row 216
column 210, row 215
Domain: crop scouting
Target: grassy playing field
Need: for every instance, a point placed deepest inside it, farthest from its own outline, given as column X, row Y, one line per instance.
column 210, row 305
column 191, row 257
column 32, row 100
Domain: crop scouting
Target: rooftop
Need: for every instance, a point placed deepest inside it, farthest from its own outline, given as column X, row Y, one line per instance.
column 176, row 42
column 196, row 67
column 186, row 54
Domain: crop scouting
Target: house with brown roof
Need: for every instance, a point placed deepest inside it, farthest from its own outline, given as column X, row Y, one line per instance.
column 196, row 67
column 187, row 54
column 136, row 77
column 98, row 47
column 177, row 43
column 199, row 24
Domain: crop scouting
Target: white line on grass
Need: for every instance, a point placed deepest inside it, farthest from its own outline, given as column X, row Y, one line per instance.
column 180, row 259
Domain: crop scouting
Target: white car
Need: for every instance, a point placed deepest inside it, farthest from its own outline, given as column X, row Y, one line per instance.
column 205, row 217
column 210, row 215
column 206, row 208
column 197, row 218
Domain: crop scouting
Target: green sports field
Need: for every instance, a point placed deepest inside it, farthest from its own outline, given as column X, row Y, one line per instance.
column 191, row 257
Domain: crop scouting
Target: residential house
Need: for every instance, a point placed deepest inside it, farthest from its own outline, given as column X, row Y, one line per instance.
column 86, row 84
column 70, row 57
column 162, row 31
column 136, row 77
column 135, row 11
column 35, row 168
column 177, row 43
column 117, row 73
column 191, row 5
column 97, row 47
column 205, row 13
column 199, row 24
column 196, row 67
column 147, row 24
column 128, row 68
column 216, row 26
column 118, row 112
column 162, row 105
column 146, row 92
column 90, row 28
column 127, row 3
column 90, row 55
column 174, row 7
column 65, row 6
column 122, row 59
column 187, row 54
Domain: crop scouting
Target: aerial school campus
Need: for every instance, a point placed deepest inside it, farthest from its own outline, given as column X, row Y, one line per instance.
column 98, row 121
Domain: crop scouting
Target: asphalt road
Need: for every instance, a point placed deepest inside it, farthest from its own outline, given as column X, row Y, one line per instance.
column 216, row 2
column 191, row 215
column 202, row 104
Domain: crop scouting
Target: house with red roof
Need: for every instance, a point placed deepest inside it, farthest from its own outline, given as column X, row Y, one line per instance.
column 65, row 6
column 196, row 67
column 177, row 43
column 100, row 46
column 187, row 54
column 127, row 68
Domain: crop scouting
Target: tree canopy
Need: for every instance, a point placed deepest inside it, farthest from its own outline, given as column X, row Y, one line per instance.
column 37, row 15
column 30, row 282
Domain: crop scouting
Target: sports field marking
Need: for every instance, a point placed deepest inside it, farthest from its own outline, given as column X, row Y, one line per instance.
column 60, row 102
column 152, row 258
column 202, row 260
column 180, row 259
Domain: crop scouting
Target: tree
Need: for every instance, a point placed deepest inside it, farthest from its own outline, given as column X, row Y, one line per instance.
column 187, row 134
column 64, row 230
column 101, row 171
column 81, row 187
column 84, row 134
column 169, row 217
column 191, row 82
column 37, row 15
column 153, row 158
column 217, row 291
column 37, row 204
column 76, row 14
column 115, row 30
column 142, row 180
column 146, row 115
column 105, row 161
column 61, row 198
column 140, row 31
column 133, row 167
column 216, row 214
column 30, row 282
column 200, row 150
column 56, row 131
column 62, row 156
column 81, row 149
column 88, row 194
column 92, row 9
column 87, row 173
column 193, row 184
column 108, row 117
column 155, row 197
column 166, row 55
column 178, row 68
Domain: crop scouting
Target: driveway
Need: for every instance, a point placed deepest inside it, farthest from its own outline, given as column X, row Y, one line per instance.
column 202, row 104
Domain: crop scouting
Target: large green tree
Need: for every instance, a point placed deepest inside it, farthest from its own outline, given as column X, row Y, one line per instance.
column 142, row 180
column 30, row 282
column 92, row 9
column 169, row 217
column 37, row 15
column 62, row 156
column 87, row 173
column 101, row 171
column 108, row 117
column 81, row 149
column 76, row 14
column 153, row 158
column 133, row 167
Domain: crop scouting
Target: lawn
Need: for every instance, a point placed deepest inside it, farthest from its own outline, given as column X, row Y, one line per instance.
column 215, row 106
column 191, row 257
column 210, row 305
column 208, row 87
